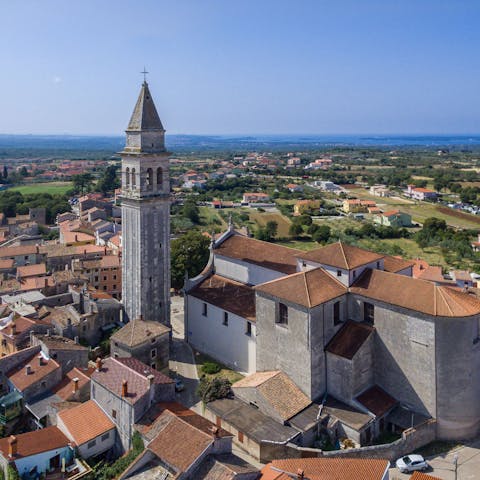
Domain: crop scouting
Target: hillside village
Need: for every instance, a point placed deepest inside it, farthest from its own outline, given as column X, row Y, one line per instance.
column 313, row 355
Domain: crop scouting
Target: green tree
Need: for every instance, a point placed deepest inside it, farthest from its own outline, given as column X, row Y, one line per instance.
column 24, row 171
column 271, row 228
column 12, row 473
column 82, row 183
column 322, row 234
column 109, row 181
column 214, row 389
column 5, row 172
column 295, row 230
column 189, row 253
column 191, row 211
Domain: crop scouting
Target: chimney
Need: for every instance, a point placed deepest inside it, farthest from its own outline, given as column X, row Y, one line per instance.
column 150, row 378
column 300, row 474
column 37, row 249
column 215, row 431
column 75, row 385
column 84, row 251
column 76, row 339
column 40, row 360
column 99, row 364
column 46, row 282
column 28, row 370
column 124, row 388
column 12, row 446
column 76, row 237
column 13, row 326
column 48, row 332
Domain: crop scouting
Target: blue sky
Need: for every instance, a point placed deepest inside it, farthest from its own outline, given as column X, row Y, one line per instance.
column 242, row 66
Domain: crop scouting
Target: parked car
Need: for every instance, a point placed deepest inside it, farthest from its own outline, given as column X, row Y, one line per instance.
column 179, row 385
column 410, row 463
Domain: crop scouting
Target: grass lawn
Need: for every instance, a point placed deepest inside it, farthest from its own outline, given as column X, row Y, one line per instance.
column 209, row 216
column 261, row 218
column 54, row 188
column 225, row 372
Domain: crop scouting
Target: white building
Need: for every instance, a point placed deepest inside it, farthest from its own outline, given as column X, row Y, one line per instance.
column 220, row 302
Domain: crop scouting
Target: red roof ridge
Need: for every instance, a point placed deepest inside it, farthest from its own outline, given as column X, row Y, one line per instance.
column 343, row 253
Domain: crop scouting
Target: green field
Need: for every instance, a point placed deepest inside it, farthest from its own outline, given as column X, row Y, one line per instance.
column 54, row 188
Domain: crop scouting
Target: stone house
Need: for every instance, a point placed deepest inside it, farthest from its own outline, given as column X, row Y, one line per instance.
column 146, row 341
column 91, row 438
column 125, row 389
column 35, row 453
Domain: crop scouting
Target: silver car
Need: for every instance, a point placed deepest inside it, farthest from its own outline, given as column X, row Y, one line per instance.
column 410, row 463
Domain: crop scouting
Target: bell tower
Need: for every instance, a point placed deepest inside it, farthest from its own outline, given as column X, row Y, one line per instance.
column 146, row 215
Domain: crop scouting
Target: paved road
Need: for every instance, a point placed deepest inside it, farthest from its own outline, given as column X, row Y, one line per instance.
column 442, row 466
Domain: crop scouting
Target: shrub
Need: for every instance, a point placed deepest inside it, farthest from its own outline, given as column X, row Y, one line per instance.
column 214, row 389
column 210, row 368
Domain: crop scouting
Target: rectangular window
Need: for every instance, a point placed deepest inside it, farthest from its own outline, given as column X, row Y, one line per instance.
column 336, row 313
column 368, row 312
column 240, row 437
column 114, row 277
column 339, row 273
column 282, row 316
column 249, row 329
column 96, row 278
column 225, row 319
column 105, row 436
column 114, row 414
column 91, row 444
column 204, row 312
column 354, row 274
column 153, row 353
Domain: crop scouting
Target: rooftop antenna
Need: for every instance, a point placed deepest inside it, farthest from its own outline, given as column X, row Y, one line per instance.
column 144, row 75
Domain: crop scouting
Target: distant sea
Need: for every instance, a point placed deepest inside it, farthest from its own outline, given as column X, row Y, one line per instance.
column 182, row 143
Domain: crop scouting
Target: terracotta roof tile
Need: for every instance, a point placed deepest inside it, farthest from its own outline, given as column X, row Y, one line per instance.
column 423, row 476
column 137, row 366
column 396, row 264
column 82, row 431
column 377, row 401
column 32, row 270
column 268, row 255
column 348, row 340
column 328, row 468
column 38, row 441
column 234, row 297
column 138, row 331
column 16, row 251
column 65, row 388
column 179, row 444
column 279, row 391
column 341, row 255
column 21, row 380
column 309, row 288
column 416, row 294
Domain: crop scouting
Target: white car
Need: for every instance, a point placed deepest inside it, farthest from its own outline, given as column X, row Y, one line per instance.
column 410, row 463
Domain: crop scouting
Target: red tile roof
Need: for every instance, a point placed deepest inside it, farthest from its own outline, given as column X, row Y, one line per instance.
column 309, row 288
column 377, row 400
column 65, row 388
column 33, row 443
column 348, row 340
column 21, row 380
column 265, row 254
column 137, row 366
column 396, row 264
column 341, row 255
column 227, row 294
column 326, row 469
column 416, row 294
column 80, row 430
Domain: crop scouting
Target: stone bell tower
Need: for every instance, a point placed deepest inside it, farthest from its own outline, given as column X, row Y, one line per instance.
column 146, row 215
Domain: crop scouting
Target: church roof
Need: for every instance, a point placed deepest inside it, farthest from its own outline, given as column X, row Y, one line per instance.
column 309, row 288
column 145, row 116
column 341, row 255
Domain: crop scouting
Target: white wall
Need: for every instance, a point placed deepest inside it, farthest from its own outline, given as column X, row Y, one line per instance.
column 244, row 272
column 227, row 344
column 100, row 445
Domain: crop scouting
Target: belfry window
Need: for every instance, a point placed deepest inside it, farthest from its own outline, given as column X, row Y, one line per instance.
column 127, row 177
column 134, row 179
column 159, row 177
column 149, row 179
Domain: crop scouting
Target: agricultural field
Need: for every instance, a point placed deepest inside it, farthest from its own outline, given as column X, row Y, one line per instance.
column 54, row 188
column 261, row 219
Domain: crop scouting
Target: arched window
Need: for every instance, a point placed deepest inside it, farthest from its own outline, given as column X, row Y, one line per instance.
column 134, row 179
column 149, row 178
column 159, row 177
column 127, row 177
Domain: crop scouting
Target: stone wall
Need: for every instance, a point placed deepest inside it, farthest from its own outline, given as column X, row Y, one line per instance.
column 411, row 440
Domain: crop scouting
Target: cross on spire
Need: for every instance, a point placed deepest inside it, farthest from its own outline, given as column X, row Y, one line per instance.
column 144, row 74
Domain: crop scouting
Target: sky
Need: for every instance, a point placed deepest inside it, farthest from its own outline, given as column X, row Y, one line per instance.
column 241, row 66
